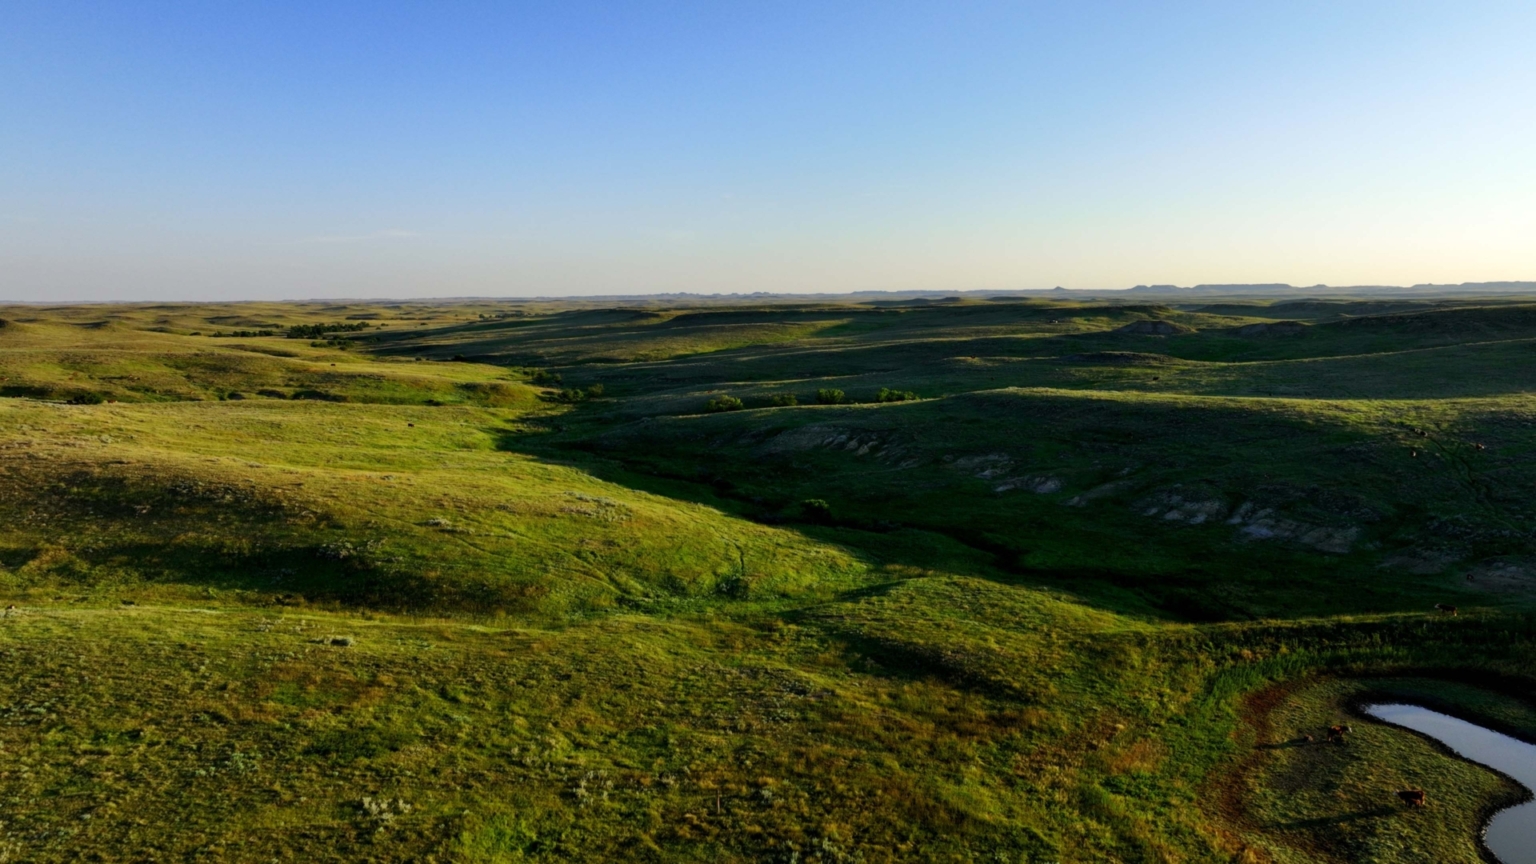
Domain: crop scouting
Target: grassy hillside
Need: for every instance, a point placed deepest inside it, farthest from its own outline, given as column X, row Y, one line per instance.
column 492, row 582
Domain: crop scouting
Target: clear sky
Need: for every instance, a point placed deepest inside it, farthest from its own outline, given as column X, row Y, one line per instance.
column 224, row 150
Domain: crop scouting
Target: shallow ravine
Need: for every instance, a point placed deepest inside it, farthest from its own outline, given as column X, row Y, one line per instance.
column 1511, row 833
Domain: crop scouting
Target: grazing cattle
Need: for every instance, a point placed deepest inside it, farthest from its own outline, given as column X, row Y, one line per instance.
column 1336, row 733
column 1479, row 446
column 1413, row 453
column 1306, row 739
column 1411, row 797
column 1446, row 608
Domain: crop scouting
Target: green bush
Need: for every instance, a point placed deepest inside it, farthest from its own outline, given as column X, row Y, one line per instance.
column 241, row 334
column 816, row 510
column 318, row 395
column 831, row 397
column 782, row 399
column 595, row 391
column 313, row 331
column 87, row 399
column 723, row 402
column 888, row 395
column 543, row 377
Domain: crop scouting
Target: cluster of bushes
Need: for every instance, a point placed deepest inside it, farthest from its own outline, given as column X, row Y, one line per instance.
column 826, row 396
column 816, row 511
column 308, row 393
column 723, row 402
column 317, row 395
column 545, row 378
column 27, row 391
column 240, row 334
column 315, row 331
column 576, row 394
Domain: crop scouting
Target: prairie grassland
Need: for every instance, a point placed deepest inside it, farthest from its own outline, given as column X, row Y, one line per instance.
column 448, row 600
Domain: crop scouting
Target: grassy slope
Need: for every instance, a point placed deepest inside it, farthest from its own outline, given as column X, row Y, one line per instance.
column 611, row 631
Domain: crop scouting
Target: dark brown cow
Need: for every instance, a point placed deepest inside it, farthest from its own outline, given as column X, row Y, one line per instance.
column 1411, row 797
column 1336, row 733
column 1446, row 608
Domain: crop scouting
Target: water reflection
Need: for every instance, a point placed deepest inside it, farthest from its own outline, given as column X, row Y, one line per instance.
column 1512, row 832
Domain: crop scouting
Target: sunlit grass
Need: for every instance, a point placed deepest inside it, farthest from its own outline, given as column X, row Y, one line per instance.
column 416, row 610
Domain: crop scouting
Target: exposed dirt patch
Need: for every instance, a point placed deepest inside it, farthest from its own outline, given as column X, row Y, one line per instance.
column 882, row 446
column 1120, row 358
column 1192, row 505
column 1505, row 576
column 1421, row 562
column 1229, row 789
column 1257, row 522
column 1039, row 484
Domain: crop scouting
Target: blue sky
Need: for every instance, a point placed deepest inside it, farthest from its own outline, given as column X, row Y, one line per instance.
column 285, row 150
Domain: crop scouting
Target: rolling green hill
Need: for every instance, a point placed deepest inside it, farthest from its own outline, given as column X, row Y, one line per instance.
column 970, row 581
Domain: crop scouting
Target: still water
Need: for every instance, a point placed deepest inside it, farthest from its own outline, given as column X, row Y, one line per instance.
column 1512, row 832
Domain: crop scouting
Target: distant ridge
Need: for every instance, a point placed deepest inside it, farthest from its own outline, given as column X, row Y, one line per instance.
column 1284, row 290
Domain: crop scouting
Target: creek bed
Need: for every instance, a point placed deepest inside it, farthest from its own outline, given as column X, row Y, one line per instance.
column 1511, row 833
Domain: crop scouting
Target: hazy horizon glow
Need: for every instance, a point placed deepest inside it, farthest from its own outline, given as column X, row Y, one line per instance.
column 287, row 150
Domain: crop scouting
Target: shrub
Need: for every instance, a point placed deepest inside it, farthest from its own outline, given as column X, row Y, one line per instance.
column 816, row 510
column 87, row 399
column 318, row 395
column 543, row 377
column 887, row 395
column 30, row 391
column 723, row 402
column 570, row 394
column 234, row 394
column 784, row 399
column 595, row 391
column 831, row 397
column 737, row 586
column 314, row 331
column 242, row 334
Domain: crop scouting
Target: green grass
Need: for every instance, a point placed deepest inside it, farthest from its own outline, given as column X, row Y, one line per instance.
column 1311, row 800
column 1055, row 609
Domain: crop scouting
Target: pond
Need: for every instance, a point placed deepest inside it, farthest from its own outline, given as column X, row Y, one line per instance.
column 1511, row 833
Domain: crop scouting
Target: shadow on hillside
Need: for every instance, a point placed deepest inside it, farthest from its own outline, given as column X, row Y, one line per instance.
column 329, row 574
column 1341, row 819
column 1448, row 353
column 1171, row 597
column 1319, row 473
